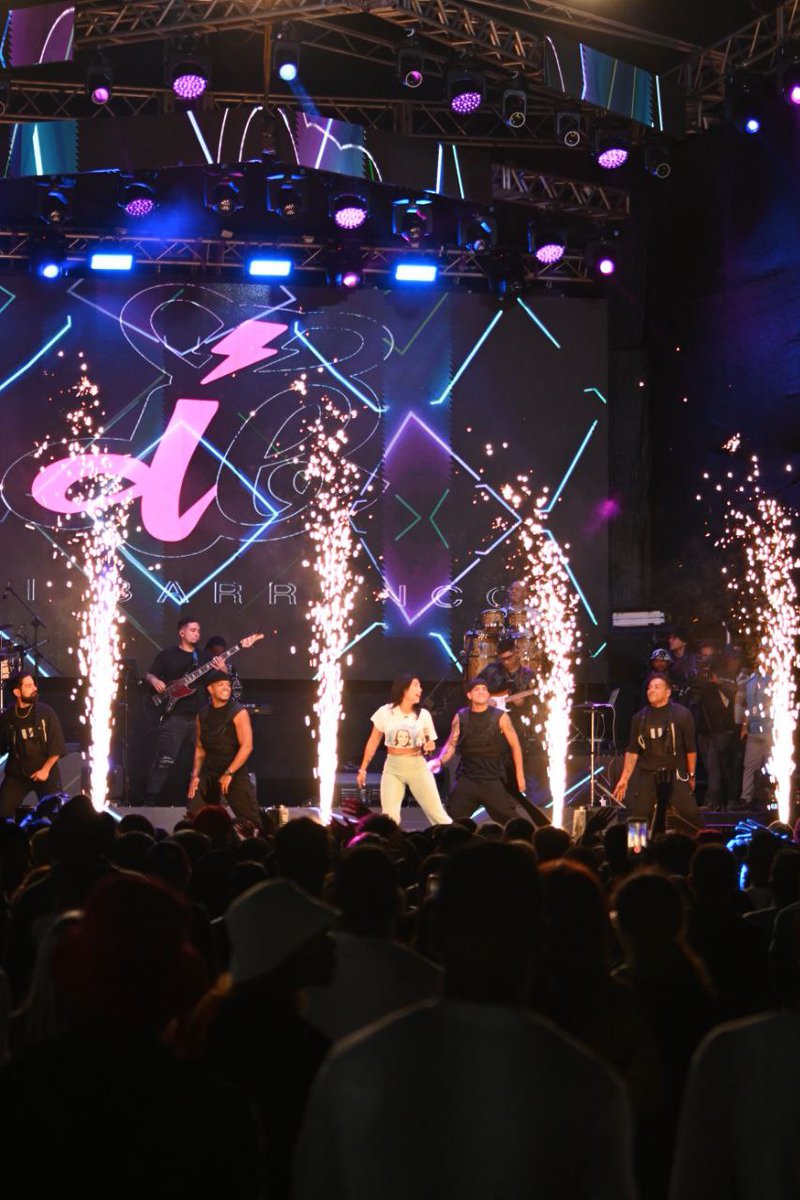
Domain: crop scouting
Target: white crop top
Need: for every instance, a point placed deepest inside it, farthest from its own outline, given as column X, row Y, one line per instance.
column 403, row 730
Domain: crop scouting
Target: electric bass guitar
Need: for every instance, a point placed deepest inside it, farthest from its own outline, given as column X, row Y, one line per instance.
column 178, row 689
column 504, row 699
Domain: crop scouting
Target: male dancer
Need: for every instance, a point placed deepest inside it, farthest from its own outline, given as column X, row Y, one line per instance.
column 224, row 744
column 663, row 753
column 177, row 730
column 31, row 735
column 482, row 735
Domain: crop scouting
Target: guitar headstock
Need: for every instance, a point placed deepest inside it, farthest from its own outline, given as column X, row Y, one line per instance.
column 250, row 640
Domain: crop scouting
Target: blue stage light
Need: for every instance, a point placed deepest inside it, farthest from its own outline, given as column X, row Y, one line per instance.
column 269, row 268
column 288, row 72
column 111, row 260
column 49, row 269
column 407, row 272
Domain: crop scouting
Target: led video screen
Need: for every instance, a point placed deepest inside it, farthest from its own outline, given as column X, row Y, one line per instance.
column 206, row 390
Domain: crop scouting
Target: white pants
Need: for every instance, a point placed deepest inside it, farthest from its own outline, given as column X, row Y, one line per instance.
column 412, row 770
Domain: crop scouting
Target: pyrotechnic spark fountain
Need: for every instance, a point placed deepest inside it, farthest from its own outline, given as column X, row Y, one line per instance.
column 765, row 605
column 555, row 605
column 97, row 548
column 336, row 481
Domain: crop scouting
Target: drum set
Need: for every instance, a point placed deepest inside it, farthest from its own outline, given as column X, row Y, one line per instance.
column 480, row 644
column 11, row 657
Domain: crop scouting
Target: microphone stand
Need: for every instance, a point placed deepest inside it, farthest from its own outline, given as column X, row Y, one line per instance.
column 36, row 624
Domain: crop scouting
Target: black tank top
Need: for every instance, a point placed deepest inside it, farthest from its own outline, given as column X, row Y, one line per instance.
column 481, row 744
column 218, row 735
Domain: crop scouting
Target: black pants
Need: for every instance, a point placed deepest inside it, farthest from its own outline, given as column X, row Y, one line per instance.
column 176, row 735
column 15, row 788
column 241, row 795
column 470, row 794
column 646, row 788
column 718, row 755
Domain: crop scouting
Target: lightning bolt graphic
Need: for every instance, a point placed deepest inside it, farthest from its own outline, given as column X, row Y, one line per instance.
column 246, row 344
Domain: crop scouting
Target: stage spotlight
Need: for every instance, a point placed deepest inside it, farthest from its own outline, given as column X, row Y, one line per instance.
column 344, row 269
column 789, row 75
column 610, row 147
column 744, row 102
column 287, row 194
column 415, row 272
column 411, row 221
column 477, row 233
column 138, row 199
column 600, row 254
column 286, row 59
column 47, row 258
column 410, row 67
column 188, row 70
column 546, row 243
column 264, row 266
column 465, row 91
column 55, row 207
column 348, row 210
column 568, row 129
column 515, row 108
column 222, row 194
column 110, row 260
column 657, row 160
column 99, row 81
column 603, row 259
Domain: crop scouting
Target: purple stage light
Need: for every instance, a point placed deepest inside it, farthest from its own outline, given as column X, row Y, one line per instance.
column 465, row 103
column 188, row 85
column 550, row 252
column 606, row 265
column 413, row 79
column 140, row 206
column 351, row 216
column 794, row 94
column 101, row 94
column 351, row 279
column 612, row 158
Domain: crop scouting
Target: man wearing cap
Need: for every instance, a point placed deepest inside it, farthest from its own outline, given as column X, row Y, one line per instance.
column 483, row 736
column 224, row 744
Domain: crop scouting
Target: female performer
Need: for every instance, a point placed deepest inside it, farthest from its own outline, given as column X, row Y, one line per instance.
column 409, row 733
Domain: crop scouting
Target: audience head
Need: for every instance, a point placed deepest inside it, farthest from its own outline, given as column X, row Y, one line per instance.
column 551, row 843
column 136, row 821
column 366, row 893
column 785, row 877
column 672, row 852
column 488, row 914
column 79, row 833
column 649, row 912
column 577, row 924
column 714, row 875
column 302, row 850
column 490, row 831
column 518, row 829
column 128, row 849
column 129, row 961
column 168, row 862
column 214, row 821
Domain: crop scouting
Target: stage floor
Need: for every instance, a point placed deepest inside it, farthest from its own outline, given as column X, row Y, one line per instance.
column 412, row 818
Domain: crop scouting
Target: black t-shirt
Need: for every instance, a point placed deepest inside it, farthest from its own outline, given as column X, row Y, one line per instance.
column 481, row 744
column 171, row 664
column 218, row 736
column 662, row 737
column 30, row 737
column 717, row 706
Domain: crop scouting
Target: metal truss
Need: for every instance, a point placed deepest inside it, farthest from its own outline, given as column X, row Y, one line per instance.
column 38, row 100
column 472, row 25
column 222, row 254
column 755, row 45
column 559, row 195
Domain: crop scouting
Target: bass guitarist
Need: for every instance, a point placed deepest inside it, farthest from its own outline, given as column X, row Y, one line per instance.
column 177, row 732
